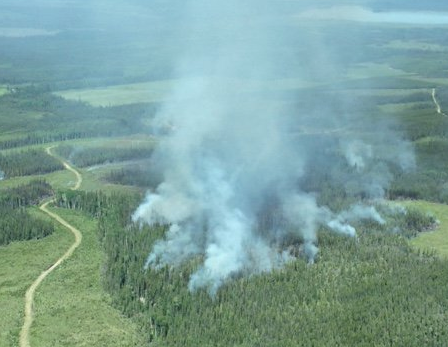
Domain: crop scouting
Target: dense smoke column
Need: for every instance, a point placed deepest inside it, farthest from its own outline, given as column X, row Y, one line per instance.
column 230, row 158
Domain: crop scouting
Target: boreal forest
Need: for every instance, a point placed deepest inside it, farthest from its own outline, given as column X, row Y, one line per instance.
column 209, row 173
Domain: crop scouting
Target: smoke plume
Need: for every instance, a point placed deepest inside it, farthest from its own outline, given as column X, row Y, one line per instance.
column 232, row 157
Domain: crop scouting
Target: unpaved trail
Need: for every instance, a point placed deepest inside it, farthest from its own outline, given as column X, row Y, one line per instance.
column 68, row 167
column 29, row 296
column 436, row 103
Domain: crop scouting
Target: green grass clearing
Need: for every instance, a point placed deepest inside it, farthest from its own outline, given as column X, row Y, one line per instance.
column 3, row 89
column 158, row 91
column 62, row 179
column 137, row 140
column 123, row 94
column 436, row 240
column 21, row 263
column 92, row 181
column 80, row 313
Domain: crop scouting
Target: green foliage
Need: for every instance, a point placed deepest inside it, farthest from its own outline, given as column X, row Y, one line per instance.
column 71, row 308
column 21, row 264
column 28, row 162
column 26, row 194
column 135, row 176
column 428, row 181
column 373, row 291
column 436, row 240
column 19, row 225
column 377, row 280
column 45, row 117
column 86, row 57
column 16, row 224
column 422, row 123
column 91, row 203
column 442, row 97
column 417, row 221
column 81, row 297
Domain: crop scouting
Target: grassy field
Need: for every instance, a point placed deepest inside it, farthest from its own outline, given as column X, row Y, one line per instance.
column 120, row 141
column 121, row 94
column 3, row 89
column 93, row 181
column 79, row 314
column 64, row 179
column 434, row 240
column 21, row 263
column 157, row 91
column 384, row 79
column 71, row 307
column 58, row 179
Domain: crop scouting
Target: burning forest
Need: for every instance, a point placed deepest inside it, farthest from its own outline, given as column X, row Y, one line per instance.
column 235, row 154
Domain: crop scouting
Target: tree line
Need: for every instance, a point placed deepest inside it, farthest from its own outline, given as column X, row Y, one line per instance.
column 44, row 137
column 28, row 162
column 428, row 180
column 135, row 176
column 44, row 117
column 16, row 223
column 88, row 156
column 373, row 291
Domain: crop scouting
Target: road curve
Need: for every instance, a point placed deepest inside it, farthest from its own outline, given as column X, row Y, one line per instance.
column 436, row 103
column 67, row 167
column 24, row 340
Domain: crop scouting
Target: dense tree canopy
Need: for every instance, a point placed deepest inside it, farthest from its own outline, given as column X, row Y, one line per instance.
column 16, row 223
column 373, row 291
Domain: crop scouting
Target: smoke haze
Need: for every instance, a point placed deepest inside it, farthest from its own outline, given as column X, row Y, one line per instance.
column 233, row 157
column 362, row 14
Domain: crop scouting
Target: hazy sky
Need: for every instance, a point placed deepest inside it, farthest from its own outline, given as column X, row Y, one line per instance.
column 362, row 14
column 62, row 14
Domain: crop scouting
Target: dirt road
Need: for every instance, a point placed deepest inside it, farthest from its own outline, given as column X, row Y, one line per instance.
column 436, row 103
column 29, row 296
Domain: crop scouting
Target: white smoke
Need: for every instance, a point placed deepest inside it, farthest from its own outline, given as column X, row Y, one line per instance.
column 357, row 153
column 231, row 157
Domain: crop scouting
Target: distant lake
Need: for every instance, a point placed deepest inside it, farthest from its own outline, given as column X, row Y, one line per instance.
column 25, row 32
column 361, row 14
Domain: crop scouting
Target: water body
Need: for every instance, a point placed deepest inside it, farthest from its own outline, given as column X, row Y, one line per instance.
column 362, row 14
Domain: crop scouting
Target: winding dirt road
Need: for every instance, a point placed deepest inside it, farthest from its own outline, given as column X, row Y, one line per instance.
column 29, row 296
column 436, row 103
